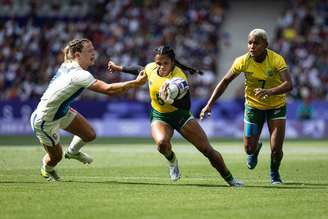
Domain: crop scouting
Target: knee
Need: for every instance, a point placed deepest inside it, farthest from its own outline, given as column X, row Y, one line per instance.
column 163, row 146
column 90, row 136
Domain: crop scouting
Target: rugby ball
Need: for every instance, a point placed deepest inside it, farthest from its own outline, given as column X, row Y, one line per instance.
column 177, row 88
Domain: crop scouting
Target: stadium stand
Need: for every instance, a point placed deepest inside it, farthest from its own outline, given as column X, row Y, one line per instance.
column 302, row 37
column 32, row 34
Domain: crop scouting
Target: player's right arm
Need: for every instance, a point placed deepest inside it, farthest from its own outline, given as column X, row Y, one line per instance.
column 236, row 68
column 218, row 91
column 116, row 88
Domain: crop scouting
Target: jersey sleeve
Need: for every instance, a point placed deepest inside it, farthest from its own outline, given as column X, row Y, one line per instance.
column 238, row 65
column 83, row 78
column 149, row 68
column 280, row 63
column 182, row 75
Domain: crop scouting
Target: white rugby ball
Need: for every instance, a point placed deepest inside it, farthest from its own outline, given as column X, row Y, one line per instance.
column 177, row 88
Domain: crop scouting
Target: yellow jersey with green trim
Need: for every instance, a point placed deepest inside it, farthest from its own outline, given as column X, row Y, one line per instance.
column 155, row 82
column 264, row 75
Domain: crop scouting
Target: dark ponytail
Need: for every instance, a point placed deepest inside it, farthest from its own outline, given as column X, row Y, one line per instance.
column 166, row 50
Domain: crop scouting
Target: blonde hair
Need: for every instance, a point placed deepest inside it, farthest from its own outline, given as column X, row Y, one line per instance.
column 72, row 47
column 259, row 33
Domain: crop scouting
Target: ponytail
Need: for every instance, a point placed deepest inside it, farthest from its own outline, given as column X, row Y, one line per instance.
column 166, row 50
column 187, row 68
column 67, row 56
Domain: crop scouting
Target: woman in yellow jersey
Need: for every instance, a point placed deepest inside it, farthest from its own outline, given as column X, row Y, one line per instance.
column 266, row 82
column 165, row 118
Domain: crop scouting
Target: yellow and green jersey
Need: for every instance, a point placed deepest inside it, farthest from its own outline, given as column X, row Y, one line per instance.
column 261, row 75
column 155, row 82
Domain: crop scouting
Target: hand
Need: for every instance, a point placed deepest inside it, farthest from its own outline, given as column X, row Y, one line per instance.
column 112, row 67
column 142, row 77
column 206, row 111
column 262, row 93
column 163, row 90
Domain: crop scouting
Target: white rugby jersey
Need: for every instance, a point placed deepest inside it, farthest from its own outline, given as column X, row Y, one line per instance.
column 68, row 82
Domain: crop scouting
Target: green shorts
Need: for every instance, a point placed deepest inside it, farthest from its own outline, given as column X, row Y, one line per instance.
column 255, row 118
column 176, row 119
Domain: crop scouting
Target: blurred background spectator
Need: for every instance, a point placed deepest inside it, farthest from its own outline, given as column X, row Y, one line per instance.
column 305, row 110
column 302, row 38
column 34, row 32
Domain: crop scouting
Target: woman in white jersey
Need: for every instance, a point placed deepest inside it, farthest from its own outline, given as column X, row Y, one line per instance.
column 54, row 112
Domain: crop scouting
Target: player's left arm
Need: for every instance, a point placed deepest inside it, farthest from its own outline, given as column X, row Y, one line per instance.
column 284, row 87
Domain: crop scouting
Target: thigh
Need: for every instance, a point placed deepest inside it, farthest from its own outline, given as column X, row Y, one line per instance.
column 161, row 131
column 253, row 124
column 80, row 127
column 68, row 118
column 195, row 134
column 176, row 119
column 47, row 132
column 277, row 129
column 277, row 125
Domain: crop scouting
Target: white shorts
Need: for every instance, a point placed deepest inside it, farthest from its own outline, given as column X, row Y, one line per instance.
column 48, row 131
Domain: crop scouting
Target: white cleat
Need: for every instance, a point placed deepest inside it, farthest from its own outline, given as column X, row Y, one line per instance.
column 235, row 183
column 174, row 170
column 82, row 157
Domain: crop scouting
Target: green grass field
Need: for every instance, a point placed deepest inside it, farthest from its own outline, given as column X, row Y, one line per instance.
column 129, row 179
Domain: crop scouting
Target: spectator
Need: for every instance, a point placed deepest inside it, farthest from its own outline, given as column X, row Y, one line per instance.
column 305, row 110
column 302, row 38
column 120, row 29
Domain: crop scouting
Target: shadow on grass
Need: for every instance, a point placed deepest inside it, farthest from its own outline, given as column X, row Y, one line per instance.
column 291, row 185
column 283, row 186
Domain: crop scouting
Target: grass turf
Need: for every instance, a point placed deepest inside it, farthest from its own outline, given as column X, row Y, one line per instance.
column 131, row 181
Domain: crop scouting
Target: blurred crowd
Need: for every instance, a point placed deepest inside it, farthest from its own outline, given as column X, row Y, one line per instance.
column 34, row 32
column 302, row 38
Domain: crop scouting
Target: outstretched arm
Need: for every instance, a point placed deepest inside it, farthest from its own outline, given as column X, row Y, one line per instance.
column 116, row 88
column 133, row 69
column 218, row 91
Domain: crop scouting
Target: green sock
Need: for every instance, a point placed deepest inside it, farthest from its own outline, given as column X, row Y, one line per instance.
column 275, row 163
column 171, row 157
column 228, row 177
column 274, row 167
